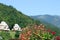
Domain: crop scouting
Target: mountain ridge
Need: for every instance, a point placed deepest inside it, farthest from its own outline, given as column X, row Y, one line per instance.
column 53, row 19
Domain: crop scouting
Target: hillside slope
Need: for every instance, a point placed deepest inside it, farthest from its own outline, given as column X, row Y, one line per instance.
column 11, row 16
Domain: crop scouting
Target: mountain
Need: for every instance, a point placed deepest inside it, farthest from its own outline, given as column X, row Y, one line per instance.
column 53, row 19
column 12, row 16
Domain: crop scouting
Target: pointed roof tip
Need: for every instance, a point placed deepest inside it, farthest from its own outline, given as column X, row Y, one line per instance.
column 16, row 25
column 3, row 22
column 41, row 24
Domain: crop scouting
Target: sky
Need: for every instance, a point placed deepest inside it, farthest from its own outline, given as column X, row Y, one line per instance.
column 35, row 7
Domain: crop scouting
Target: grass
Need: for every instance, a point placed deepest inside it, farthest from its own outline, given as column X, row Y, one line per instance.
column 8, row 34
column 12, row 34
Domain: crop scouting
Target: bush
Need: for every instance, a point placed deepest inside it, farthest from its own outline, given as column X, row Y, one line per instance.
column 36, row 33
column 17, row 34
column 5, row 35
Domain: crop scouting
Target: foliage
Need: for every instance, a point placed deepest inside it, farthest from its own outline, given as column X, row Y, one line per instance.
column 17, row 34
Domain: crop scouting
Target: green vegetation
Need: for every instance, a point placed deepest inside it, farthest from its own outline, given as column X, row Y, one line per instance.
column 12, row 33
column 5, row 35
column 17, row 34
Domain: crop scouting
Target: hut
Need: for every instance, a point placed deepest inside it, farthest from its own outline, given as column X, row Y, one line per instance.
column 16, row 27
column 4, row 26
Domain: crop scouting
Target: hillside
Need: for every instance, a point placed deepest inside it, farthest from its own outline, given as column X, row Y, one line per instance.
column 11, row 16
column 53, row 19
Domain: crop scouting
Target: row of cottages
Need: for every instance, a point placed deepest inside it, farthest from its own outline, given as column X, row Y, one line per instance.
column 4, row 26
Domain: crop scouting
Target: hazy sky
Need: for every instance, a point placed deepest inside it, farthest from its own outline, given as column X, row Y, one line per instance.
column 35, row 7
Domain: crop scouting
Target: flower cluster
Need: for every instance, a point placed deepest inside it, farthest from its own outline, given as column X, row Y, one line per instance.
column 52, row 32
column 57, row 38
column 36, row 32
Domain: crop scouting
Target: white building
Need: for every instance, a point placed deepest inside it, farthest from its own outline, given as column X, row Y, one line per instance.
column 4, row 26
column 16, row 27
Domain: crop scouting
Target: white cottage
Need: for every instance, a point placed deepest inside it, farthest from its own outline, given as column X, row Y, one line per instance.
column 4, row 26
column 16, row 27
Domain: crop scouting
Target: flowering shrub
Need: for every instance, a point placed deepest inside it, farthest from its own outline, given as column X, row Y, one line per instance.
column 36, row 33
column 57, row 38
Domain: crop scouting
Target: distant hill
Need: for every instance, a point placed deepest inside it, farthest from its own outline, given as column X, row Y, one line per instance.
column 11, row 16
column 55, row 20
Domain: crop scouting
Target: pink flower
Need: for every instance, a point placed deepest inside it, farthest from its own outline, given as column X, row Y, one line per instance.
column 53, row 33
